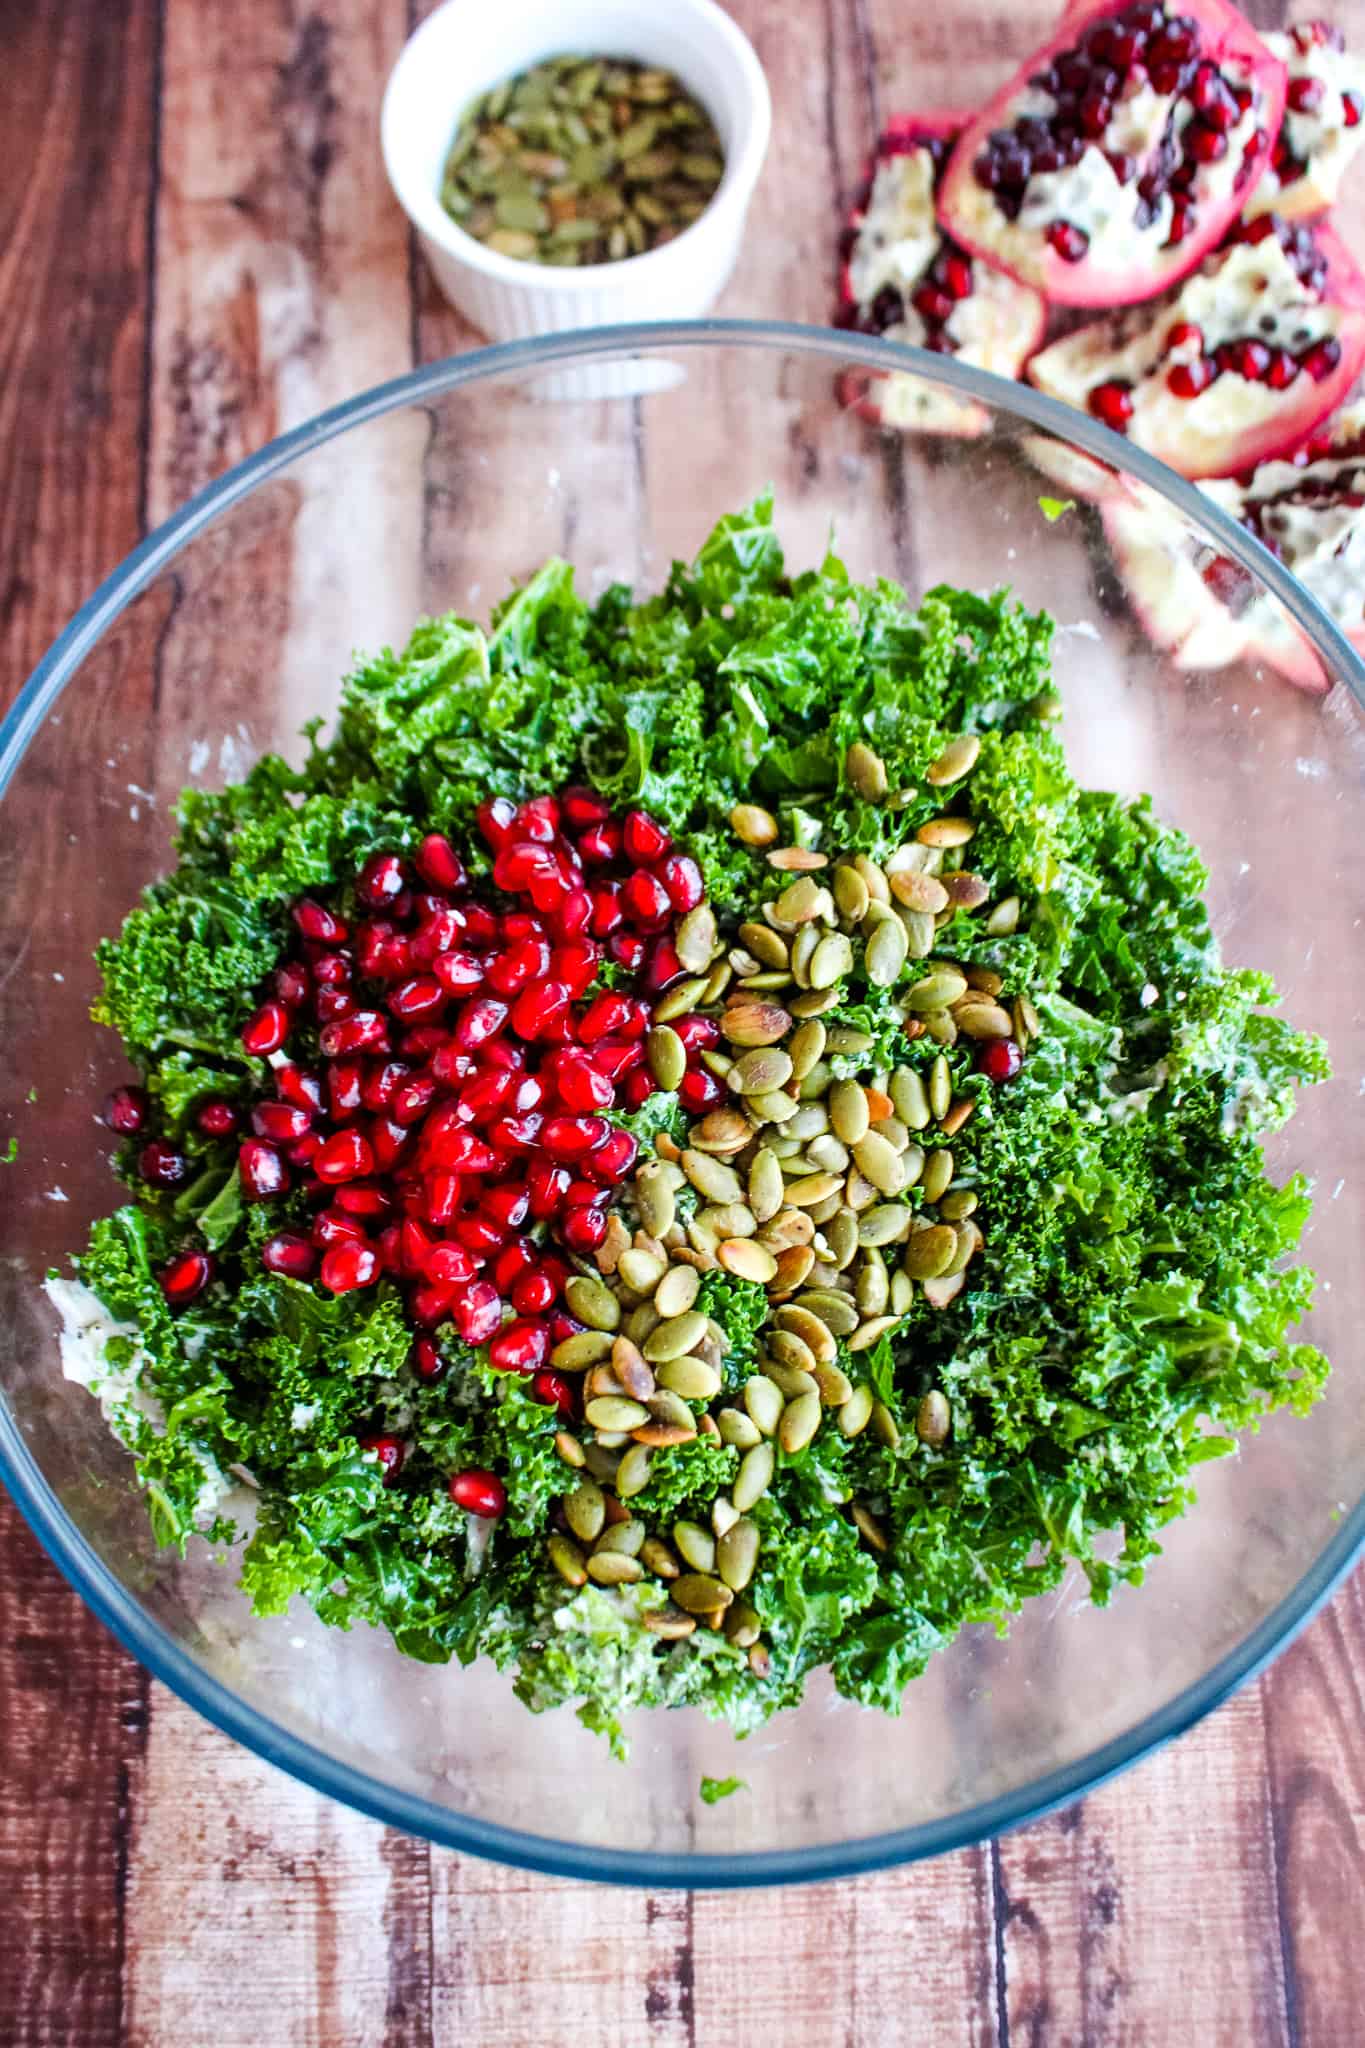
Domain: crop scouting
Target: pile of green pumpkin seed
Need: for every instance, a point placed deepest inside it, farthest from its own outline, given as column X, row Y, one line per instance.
column 582, row 160
column 803, row 1185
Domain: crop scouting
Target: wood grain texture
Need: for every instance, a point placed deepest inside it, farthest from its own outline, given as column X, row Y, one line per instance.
column 161, row 1887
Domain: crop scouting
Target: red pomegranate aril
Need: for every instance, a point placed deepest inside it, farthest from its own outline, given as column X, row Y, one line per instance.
column 263, row 1172
column 426, row 1360
column 1306, row 94
column 441, row 1197
column 476, row 1311
column 266, row 1031
column 292, row 984
column 574, row 915
column 627, row 949
column 637, row 1088
column 304, row 1150
column 348, row 1266
column 448, row 1263
column 416, row 1245
column 516, row 1133
column 332, row 970
column 413, row 1099
column 363, row 1198
column 1187, row 380
column 600, row 844
column 575, row 963
column 1252, row 360
column 697, row 1033
column 645, row 899
column 345, row 1156
column 532, row 1292
column 186, row 1277
column 518, row 861
column 390, row 1452
column 1352, row 107
column 584, row 1228
column 510, row 972
column 125, row 1110
column 423, row 1042
column 553, row 1390
column 479, row 1492
column 582, row 1085
column 662, row 965
column 477, row 1021
column 330, row 1005
column 546, row 1184
column 362, row 1031
column 1112, row 403
column 573, row 1137
column 955, row 274
column 413, row 1000
column 299, row 1086
column 317, row 922
column 345, row 1087
column 582, row 807
column 494, row 819
column 382, row 878
column 605, row 1017
column 217, row 1119
column 644, row 838
column 999, row 1060
column 607, row 910
column 932, row 303
column 1185, row 335
column 458, row 973
column 1322, row 359
column 290, row 1254
column 460, row 1148
column 437, row 862
column 281, row 1122
column 1069, row 241
column 519, row 1347
column 485, row 1095
column 1204, row 145
column 538, row 1011
column 1282, row 371
column 439, row 933
column 430, row 1302
column 515, row 1258
column 699, row 1089
column 612, row 1161
column 612, row 1057
column 333, row 1226
column 382, row 1081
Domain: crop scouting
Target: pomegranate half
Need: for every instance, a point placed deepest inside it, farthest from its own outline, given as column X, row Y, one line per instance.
column 1204, row 610
column 904, row 279
column 1237, row 365
column 1324, row 123
column 1120, row 152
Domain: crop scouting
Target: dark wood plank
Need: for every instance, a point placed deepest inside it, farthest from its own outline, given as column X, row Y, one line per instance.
column 77, row 149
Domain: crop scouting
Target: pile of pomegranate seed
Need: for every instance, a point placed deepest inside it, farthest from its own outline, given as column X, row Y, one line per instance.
column 452, row 1073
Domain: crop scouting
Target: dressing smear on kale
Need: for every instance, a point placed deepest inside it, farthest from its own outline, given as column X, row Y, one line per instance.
column 1127, row 1307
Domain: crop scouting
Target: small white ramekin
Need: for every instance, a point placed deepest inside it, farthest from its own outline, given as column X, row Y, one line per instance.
column 469, row 45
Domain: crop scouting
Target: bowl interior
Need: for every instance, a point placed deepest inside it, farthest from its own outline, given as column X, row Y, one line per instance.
column 232, row 631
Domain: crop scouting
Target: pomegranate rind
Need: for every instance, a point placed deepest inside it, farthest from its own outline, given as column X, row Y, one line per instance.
column 1322, row 142
column 1000, row 323
column 1236, row 423
column 969, row 213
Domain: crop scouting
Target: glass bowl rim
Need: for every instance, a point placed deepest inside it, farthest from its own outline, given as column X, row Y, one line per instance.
column 156, row 1650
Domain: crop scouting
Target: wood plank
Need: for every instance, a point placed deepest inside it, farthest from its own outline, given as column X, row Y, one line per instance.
column 1314, row 1712
column 76, row 152
column 259, row 1912
column 520, row 1961
column 1149, row 1912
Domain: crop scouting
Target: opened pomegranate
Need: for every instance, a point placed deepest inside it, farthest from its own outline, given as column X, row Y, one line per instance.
column 1204, row 609
column 1323, row 124
column 1120, row 153
column 1239, row 364
column 904, row 279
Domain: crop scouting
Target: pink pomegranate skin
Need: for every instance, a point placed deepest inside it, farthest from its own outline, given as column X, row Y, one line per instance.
column 1037, row 200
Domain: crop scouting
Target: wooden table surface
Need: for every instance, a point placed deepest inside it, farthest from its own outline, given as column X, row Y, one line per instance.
column 199, row 249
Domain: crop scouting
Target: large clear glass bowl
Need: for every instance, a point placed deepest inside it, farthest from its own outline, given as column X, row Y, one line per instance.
column 231, row 626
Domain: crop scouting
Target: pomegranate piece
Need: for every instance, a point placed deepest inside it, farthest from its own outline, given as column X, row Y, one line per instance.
column 390, row 1452
column 186, row 1277
column 381, row 880
column 317, row 922
column 281, row 1122
column 161, row 1165
column 266, row 1031
column 1206, row 610
column 345, row 1156
column 554, row 1390
column 125, row 1110
column 289, row 1253
column 1000, row 1059
column 437, row 862
column 1186, row 104
column 1279, row 319
column 216, row 1119
column 263, row 1172
column 519, row 1347
column 902, row 277
column 1322, row 125
column 348, row 1266
column 479, row 1492
column 426, row 1360
column 476, row 1311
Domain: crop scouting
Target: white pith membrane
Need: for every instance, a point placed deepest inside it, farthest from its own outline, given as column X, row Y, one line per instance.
column 1246, row 291
column 1089, row 194
column 993, row 328
column 1320, row 139
column 1203, row 610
